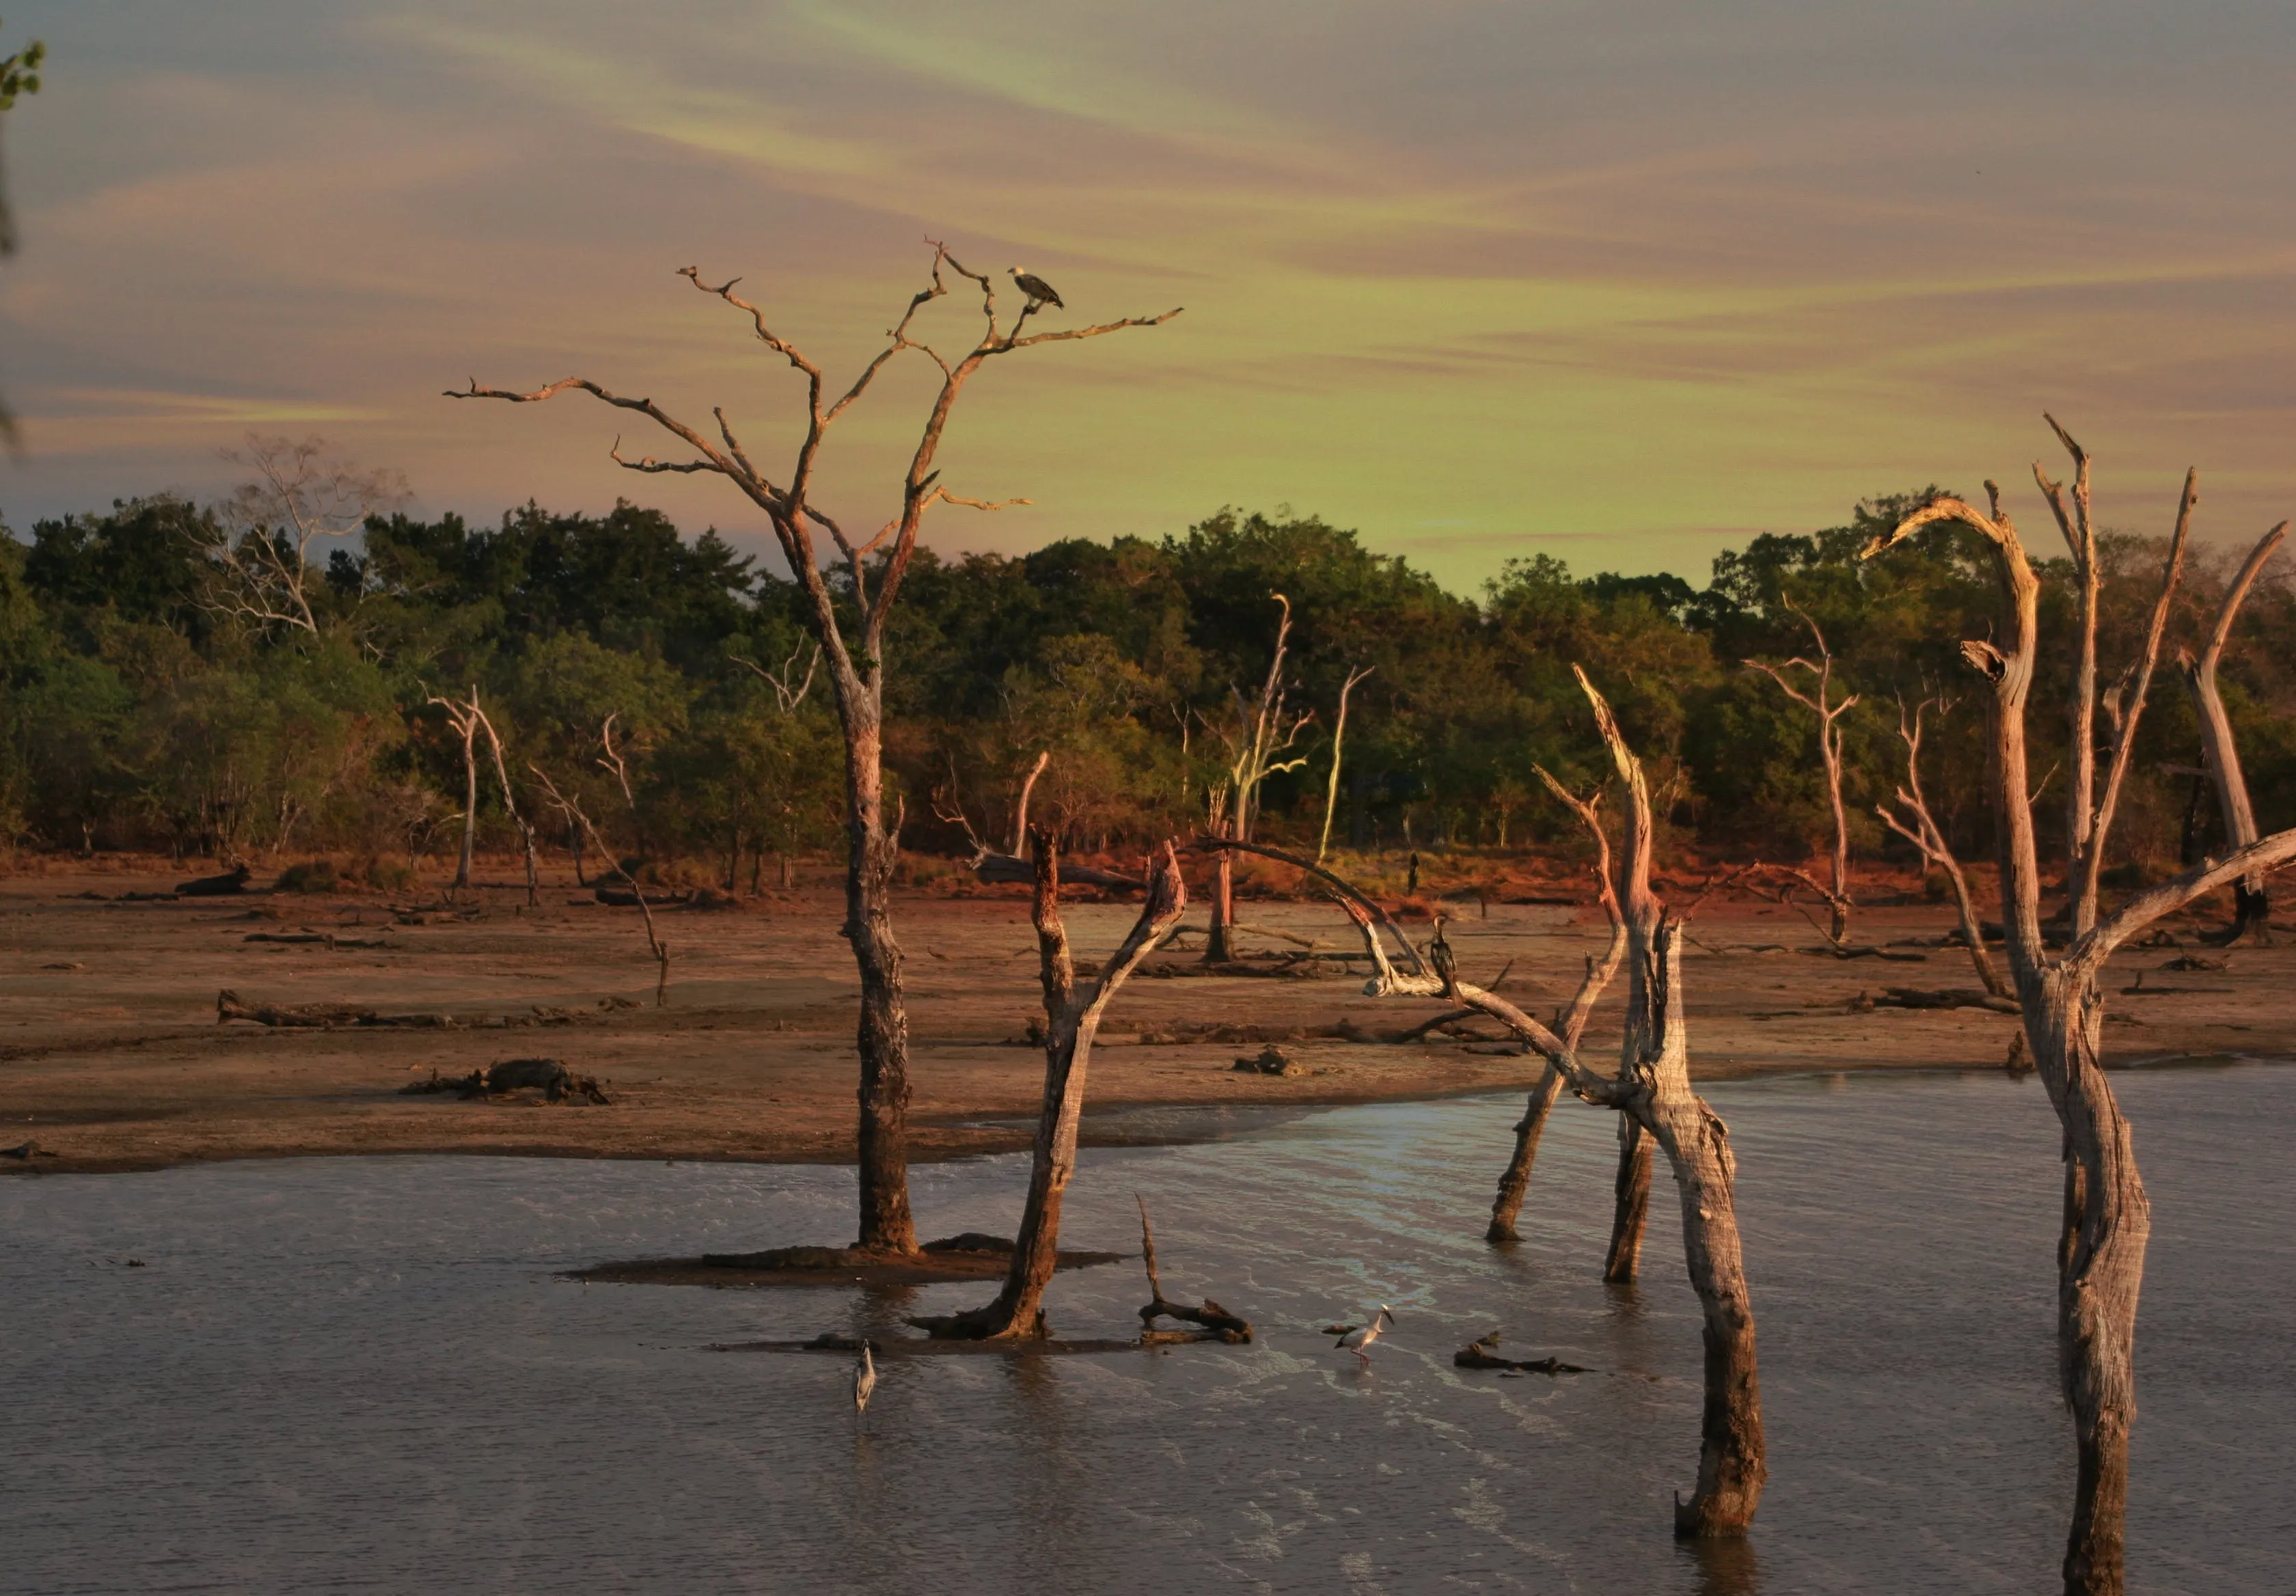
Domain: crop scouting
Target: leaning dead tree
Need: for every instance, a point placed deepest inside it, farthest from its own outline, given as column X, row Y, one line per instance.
column 1072, row 1014
column 462, row 715
column 990, row 866
column 2251, row 908
column 1821, row 703
column 1514, row 1182
column 1260, row 733
column 1652, row 1088
column 2107, row 1218
column 1912, row 820
column 510, row 800
column 875, row 566
column 575, row 817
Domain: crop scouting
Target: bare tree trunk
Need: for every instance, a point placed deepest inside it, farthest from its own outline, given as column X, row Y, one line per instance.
column 882, row 1038
column 1829, row 715
column 1733, row 1462
column 1332, row 804
column 1219, row 935
column 1514, row 1182
column 2220, row 753
column 1925, row 834
column 470, row 802
column 1630, row 1208
column 1072, row 1020
column 2107, row 1217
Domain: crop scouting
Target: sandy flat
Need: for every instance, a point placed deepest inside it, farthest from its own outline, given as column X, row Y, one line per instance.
column 111, row 1057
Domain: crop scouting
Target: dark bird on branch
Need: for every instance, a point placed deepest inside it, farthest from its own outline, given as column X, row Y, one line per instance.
column 1039, row 292
column 1438, row 953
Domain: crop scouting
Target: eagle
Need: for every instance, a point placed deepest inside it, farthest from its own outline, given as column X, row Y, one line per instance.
column 1039, row 292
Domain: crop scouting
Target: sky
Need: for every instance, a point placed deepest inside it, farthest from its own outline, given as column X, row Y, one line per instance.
column 1624, row 283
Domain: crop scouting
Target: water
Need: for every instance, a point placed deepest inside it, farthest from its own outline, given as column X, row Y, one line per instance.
column 363, row 1374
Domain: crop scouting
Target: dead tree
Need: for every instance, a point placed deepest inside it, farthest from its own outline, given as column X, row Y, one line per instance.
column 510, row 801
column 856, row 663
column 1339, row 740
column 1652, row 1088
column 1917, row 826
column 1260, row 733
column 300, row 494
column 2107, row 1217
column 1515, row 1182
column 990, row 867
column 573, row 813
column 1072, row 1017
column 1829, row 714
column 464, row 718
column 2251, row 908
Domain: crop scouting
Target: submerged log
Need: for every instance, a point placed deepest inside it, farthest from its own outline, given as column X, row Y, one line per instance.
column 1218, row 1323
column 1483, row 1355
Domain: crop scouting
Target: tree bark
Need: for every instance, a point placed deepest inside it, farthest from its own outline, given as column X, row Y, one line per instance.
column 1071, row 1022
column 1514, row 1182
column 1732, row 1458
column 882, row 1037
column 1220, row 934
column 470, row 729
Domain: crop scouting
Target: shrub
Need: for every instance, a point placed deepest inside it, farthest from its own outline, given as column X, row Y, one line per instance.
column 311, row 875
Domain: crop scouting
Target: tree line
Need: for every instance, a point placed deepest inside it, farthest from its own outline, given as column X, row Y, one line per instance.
column 199, row 681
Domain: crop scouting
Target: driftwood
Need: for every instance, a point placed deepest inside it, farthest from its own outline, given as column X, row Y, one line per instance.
column 549, row 1076
column 230, row 1006
column 1954, row 997
column 1481, row 1354
column 232, row 880
column 2106, row 1216
column 1218, row 1323
column 326, row 940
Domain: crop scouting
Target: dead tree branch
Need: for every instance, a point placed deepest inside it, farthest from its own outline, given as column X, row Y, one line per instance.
column 2221, row 752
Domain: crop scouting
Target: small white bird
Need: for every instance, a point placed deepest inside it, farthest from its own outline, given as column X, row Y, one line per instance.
column 865, row 1379
column 1359, row 1340
column 1039, row 292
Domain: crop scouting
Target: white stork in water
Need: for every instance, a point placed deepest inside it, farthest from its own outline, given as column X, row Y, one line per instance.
column 1039, row 292
column 864, row 1380
column 1357, row 1339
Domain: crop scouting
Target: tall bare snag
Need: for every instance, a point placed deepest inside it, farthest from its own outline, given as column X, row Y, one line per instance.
column 873, row 567
column 2107, row 1218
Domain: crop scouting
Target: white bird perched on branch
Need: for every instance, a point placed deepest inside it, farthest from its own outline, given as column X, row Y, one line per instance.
column 865, row 1379
column 1039, row 292
column 1358, row 1339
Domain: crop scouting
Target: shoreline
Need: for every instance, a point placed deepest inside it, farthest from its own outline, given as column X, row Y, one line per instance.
column 112, row 1055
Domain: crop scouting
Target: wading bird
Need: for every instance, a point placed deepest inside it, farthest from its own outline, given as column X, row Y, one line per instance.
column 1039, row 292
column 1359, row 1338
column 865, row 1379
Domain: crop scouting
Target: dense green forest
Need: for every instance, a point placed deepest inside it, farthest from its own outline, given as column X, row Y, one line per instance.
column 160, row 696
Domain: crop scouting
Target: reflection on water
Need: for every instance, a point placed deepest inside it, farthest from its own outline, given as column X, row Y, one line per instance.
column 363, row 1374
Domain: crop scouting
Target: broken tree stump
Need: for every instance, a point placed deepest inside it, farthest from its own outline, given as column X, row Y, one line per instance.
column 1218, row 1323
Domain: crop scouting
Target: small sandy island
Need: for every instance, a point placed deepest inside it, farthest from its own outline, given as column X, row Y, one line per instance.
column 112, row 1058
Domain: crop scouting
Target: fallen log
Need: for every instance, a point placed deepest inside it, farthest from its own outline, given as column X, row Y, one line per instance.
column 231, row 881
column 230, row 1006
column 1218, row 1323
column 1480, row 1354
column 1950, row 997
column 992, row 869
column 549, row 1076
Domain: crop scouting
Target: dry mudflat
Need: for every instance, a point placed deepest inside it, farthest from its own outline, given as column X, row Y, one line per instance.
column 111, row 1056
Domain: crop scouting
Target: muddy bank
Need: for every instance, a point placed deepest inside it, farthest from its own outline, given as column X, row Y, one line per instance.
column 112, row 1058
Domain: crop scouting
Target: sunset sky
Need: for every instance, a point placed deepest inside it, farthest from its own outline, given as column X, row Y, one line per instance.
column 1625, row 282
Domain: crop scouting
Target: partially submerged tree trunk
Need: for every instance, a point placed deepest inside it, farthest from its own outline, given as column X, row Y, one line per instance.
column 2107, row 1216
column 856, row 664
column 1653, row 1087
column 1629, row 1206
column 2221, row 752
column 1071, row 1022
column 1514, row 1182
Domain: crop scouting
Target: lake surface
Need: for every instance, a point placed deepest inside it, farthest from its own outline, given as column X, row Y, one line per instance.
column 363, row 1374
